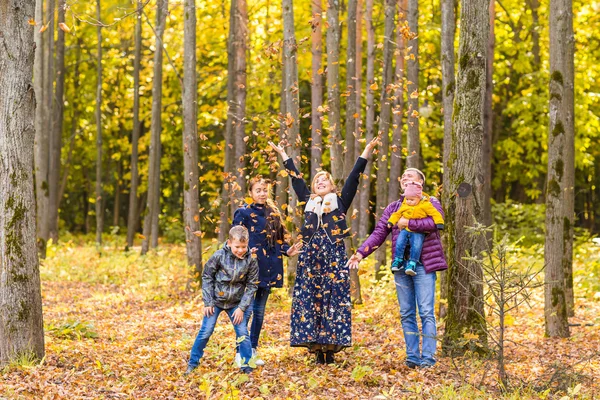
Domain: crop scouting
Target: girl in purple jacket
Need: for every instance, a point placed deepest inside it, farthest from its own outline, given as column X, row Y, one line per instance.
column 413, row 292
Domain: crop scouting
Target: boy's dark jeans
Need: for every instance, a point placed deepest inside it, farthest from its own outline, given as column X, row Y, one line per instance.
column 257, row 311
column 208, row 326
column 414, row 239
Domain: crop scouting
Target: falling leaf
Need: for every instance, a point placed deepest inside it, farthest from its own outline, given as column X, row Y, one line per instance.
column 64, row 27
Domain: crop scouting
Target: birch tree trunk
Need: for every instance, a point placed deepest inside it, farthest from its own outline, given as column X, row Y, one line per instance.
column 333, row 89
column 191, row 215
column 57, row 128
column 153, row 202
column 21, row 324
column 384, row 124
column 448, row 88
column 135, row 135
column 555, row 305
column 465, row 184
column 316, row 88
column 41, row 133
column 414, row 142
column 364, row 196
column 99, row 197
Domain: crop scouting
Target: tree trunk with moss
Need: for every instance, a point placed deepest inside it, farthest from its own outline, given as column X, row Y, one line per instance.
column 561, row 119
column 191, row 215
column 21, row 324
column 465, row 185
column 488, row 117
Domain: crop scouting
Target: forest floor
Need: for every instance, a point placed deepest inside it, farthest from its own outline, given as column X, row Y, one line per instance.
column 121, row 325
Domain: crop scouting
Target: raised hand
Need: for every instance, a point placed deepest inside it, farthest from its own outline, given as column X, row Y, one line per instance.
column 295, row 249
column 370, row 146
column 279, row 149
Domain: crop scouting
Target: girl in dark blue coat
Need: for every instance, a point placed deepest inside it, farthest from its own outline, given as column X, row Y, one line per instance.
column 267, row 239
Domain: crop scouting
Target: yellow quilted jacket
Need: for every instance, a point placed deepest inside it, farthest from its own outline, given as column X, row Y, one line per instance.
column 422, row 210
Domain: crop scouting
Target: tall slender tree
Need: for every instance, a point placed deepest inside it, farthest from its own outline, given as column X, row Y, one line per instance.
column 333, row 88
column 291, row 98
column 153, row 202
column 99, row 196
column 238, row 111
column 56, row 133
column 448, row 88
column 488, row 118
column 463, row 210
column 561, row 120
column 21, row 324
column 365, row 206
column 316, row 87
column 358, row 75
column 191, row 213
column 41, row 133
column 384, row 121
column 135, row 134
column 414, row 141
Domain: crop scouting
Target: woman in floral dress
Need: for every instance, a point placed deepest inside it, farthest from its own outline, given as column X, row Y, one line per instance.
column 321, row 317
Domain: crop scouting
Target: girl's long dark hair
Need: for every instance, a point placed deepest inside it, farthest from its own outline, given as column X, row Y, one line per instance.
column 275, row 228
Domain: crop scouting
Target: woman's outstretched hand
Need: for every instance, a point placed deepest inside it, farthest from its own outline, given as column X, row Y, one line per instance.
column 279, row 150
column 370, row 146
column 295, row 249
column 355, row 260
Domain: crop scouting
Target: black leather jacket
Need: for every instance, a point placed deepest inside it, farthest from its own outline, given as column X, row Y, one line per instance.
column 333, row 222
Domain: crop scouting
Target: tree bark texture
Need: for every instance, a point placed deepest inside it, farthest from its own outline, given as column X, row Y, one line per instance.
column 316, row 88
column 99, row 197
column 488, row 118
column 365, row 188
column 555, row 305
column 351, row 116
column 135, row 135
column 238, row 109
column 465, row 182
column 191, row 202
column 333, row 88
column 57, row 128
column 413, row 160
column 21, row 324
column 153, row 202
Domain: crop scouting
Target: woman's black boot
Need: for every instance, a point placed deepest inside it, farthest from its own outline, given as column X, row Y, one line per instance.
column 329, row 357
column 320, row 359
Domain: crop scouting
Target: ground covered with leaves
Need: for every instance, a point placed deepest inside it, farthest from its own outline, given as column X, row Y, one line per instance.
column 121, row 325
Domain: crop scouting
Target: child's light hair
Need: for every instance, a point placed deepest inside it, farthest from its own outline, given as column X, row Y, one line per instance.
column 239, row 233
column 321, row 173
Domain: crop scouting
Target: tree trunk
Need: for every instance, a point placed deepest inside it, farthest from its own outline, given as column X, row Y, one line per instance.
column 117, row 204
column 191, row 214
column 21, row 324
column 488, row 122
column 56, row 132
column 316, row 88
column 291, row 98
column 448, row 87
column 569, row 156
column 229, row 149
column 99, row 197
column 333, row 89
column 238, row 112
column 384, row 124
column 398, row 110
column 465, row 294
column 560, row 121
column 414, row 142
column 153, row 204
column 364, row 196
column 41, row 133
column 358, row 75
column 135, row 135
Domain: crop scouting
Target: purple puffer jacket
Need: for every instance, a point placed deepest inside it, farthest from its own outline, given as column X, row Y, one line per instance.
column 432, row 255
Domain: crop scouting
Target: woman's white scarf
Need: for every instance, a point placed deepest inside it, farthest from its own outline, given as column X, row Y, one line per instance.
column 322, row 205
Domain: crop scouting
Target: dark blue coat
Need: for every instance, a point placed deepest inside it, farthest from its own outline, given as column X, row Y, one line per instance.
column 270, row 258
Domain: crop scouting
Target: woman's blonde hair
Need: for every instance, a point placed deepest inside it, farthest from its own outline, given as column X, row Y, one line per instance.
column 321, row 173
column 275, row 228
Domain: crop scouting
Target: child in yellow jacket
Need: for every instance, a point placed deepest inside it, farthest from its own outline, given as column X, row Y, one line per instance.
column 416, row 205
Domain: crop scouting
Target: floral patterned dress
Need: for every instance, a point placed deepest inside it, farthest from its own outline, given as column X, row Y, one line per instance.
column 321, row 305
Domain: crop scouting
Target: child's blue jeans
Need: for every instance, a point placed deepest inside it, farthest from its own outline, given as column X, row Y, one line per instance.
column 414, row 239
column 257, row 311
column 208, row 326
